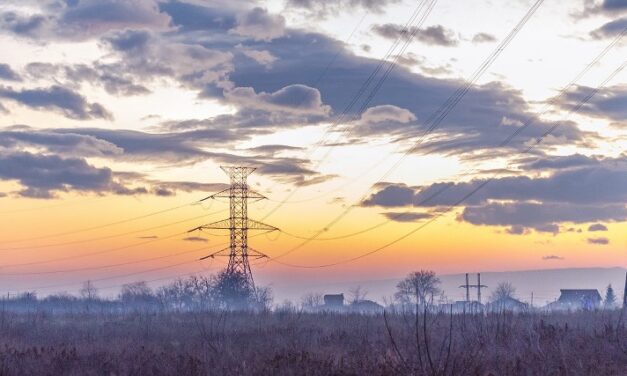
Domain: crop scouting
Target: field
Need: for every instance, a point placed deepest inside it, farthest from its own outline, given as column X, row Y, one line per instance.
column 298, row 343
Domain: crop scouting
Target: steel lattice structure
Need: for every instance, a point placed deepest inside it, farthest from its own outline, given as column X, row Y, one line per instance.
column 238, row 223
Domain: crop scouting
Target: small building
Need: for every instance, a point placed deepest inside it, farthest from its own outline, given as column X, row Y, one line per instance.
column 334, row 301
column 366, row 306
column 507, row 304
column 575, row 299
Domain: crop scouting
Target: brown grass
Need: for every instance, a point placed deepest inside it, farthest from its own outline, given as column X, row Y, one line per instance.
column 296, row 343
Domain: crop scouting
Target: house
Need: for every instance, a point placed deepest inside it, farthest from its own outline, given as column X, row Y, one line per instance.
column 366, row 307
column 507, row 304
column 334, row 301
column 574, row 299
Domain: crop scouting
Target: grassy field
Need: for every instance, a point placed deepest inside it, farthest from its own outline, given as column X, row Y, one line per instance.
column 298, row 343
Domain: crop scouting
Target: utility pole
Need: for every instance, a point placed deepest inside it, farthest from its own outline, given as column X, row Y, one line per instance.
column 467, row 287
column 238, row 223
column 478, row 286
column 625, row 292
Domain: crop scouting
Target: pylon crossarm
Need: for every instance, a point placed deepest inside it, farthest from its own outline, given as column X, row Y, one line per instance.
column 224, row 194
column 256, row 254
column 224, row 224
column 218, row 253
column 255, row 196
column 256, row 225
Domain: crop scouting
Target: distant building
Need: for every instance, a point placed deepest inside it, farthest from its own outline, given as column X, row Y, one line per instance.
column 460, row 307
column 575, row 299
column 507, row 304
column 366, row 306
column 334, row 301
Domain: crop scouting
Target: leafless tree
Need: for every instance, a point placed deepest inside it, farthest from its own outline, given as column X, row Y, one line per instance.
column 357, row 293
column 311, row 300
column 418, row 288
column 503, row 290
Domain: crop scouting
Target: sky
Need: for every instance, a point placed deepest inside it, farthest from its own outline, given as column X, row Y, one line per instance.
column 115, row 117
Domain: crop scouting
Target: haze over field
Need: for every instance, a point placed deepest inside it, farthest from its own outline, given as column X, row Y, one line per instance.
column 116, row 115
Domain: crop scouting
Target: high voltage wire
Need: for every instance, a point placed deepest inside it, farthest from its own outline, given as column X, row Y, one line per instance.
column 409, row 25
column 109, row 236
column 110, row 224
column 437, row 117
column 465, row 197
column 545, row 109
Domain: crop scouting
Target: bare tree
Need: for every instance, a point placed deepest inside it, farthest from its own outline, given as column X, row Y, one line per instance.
column 311, row 300
column 357, row 293
column 89, row 292
column 503, row 290
column 418, row 288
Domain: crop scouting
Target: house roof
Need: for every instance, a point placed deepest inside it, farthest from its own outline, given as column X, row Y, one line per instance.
column 579, row 294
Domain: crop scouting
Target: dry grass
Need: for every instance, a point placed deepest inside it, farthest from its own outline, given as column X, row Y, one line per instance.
column 293, row 343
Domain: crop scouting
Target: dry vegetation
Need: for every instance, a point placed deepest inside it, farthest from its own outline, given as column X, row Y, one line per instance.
column 298, row 343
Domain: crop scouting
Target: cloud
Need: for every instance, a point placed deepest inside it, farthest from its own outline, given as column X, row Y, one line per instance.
column 436, row 35
column 298, row 99
column 608, row 103
column 258, row 24
column 598, row 241
column 58, row 99
column 8, row 74
column 539, row 215
column 196, row 239
column 407, row 216
column 483, row 38
column 114, row 82
column 87, row 19
column 597, row 227
column 323, row 8
column 607, row 7
column 521, row 203
column 69, row 144
column 42, row 175
column 552, row 257
column 262, row 57
column 610, row 29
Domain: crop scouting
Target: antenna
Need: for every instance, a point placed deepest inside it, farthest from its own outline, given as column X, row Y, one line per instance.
column 238, row 223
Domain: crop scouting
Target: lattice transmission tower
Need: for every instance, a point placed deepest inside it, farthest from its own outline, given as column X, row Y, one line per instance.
column 238, row 223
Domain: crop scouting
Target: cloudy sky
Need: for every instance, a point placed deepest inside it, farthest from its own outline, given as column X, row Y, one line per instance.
column 488, row 135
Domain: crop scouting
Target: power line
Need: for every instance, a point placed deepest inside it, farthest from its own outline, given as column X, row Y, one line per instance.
column 85, row 229
column 429, row 4
column 108, row 236
column 437, row 117
column 465, row 197
column 530, row 121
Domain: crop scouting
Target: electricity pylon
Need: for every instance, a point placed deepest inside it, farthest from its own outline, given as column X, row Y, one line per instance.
column 478, row 286
column 238, row 223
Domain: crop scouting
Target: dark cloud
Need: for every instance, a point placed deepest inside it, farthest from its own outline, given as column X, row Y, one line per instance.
column 607, row 7
column 42, row 175
column 436, row 35
column 599, row 241
column 258, row 24
column 86, row 19
column 597, row 227
column 560, row 162
column 59, row 99
column 552, row 257
column 323, row 8
column 483, row 38
column 114, row 82
column 298, row 99
column 521, row 203
column 8, row 74
column 407, row 216
column 610, row 29
column 538, row 215
column 196, row 239
column 609, row 103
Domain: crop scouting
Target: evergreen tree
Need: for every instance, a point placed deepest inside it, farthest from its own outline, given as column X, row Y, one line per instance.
column 610, row 298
